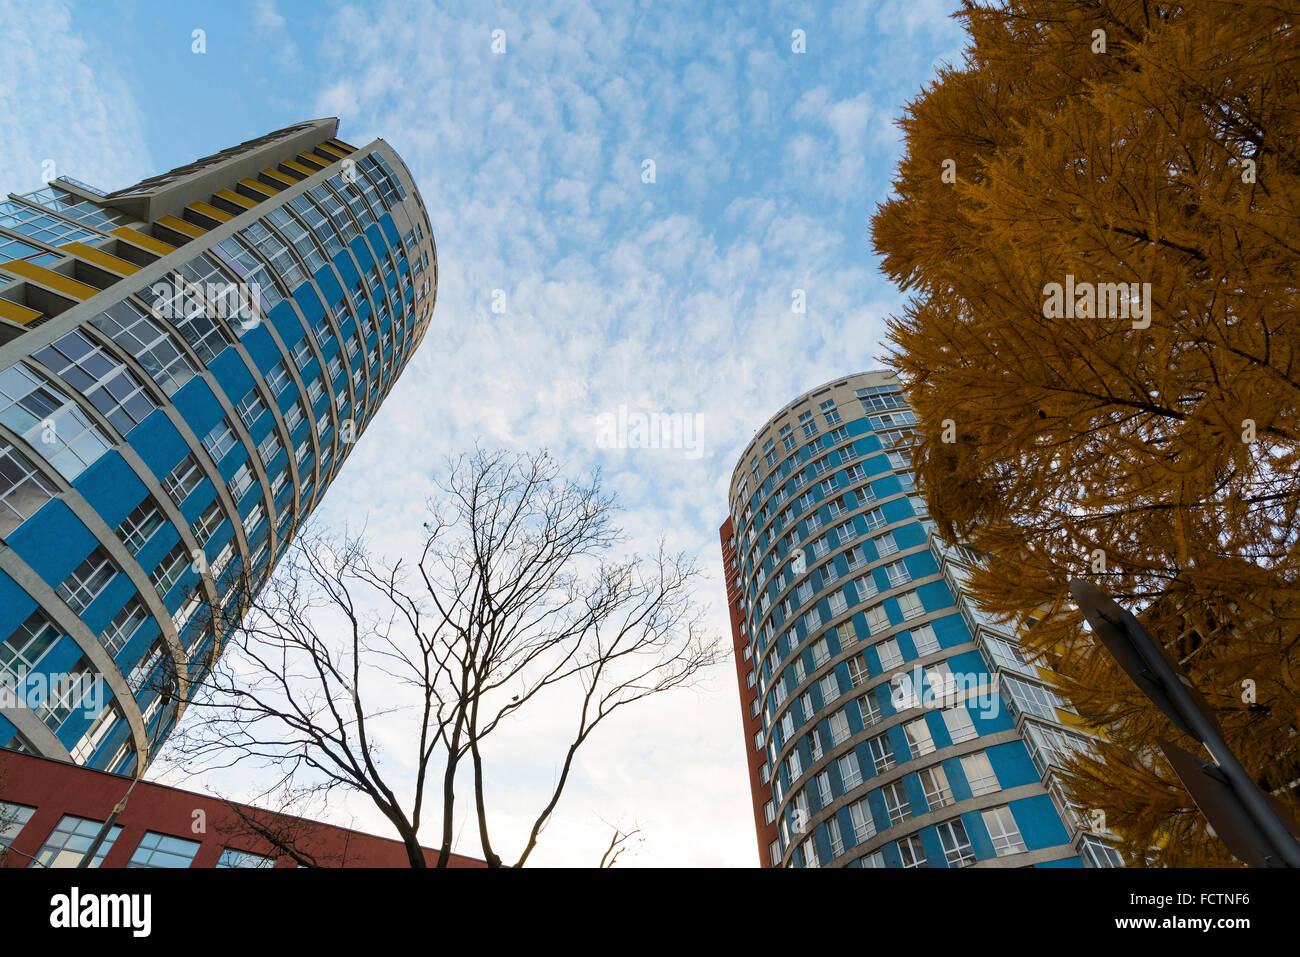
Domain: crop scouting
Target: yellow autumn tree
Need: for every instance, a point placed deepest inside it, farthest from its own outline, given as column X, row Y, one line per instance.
column 1097, row 221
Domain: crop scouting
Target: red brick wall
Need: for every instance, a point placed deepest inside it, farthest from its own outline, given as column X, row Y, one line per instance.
column 761, row 792
column 55, row 788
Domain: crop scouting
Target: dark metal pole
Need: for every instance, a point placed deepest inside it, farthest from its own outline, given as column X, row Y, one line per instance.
column 1161, row 680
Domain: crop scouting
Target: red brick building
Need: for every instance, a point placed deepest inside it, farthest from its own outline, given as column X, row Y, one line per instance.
column 755, row 757
column 50, row 812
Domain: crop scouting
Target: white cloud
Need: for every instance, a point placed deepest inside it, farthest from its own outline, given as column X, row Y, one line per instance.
column 62, row 106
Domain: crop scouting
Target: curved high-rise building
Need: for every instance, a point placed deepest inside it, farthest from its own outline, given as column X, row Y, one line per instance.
column 888, row 721
column 184, row 366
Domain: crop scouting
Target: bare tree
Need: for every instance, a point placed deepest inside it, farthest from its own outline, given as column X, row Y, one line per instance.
column 518, row 600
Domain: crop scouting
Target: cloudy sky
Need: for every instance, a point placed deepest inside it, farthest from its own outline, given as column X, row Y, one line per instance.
column 669, row 296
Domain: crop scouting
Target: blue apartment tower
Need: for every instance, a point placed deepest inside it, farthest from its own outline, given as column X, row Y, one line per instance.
column 184, row 366
column 888, row 721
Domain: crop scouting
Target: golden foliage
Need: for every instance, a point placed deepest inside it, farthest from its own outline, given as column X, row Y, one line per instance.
column 1169, row 452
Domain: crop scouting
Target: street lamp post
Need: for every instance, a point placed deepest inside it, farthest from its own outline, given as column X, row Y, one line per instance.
column 1254, row 826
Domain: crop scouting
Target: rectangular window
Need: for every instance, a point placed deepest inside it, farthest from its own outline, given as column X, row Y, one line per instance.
column 250, row 408
column 979, row 773
column 919, row 740
column 71, row 839
column 924, row 639
column 247, row 859
column 108, row 384
column 138, row 527
column 869, row 709
column 959, row 723
column 240, row 482
column 183, row 480
column 170, row 569
column 897, row 574
column 911, row 852
column 896, row 803
column 163, row 850
column 27, row 645
column 874, row 518
column 890, row 654
column 882, row 753
column 956, row 845
column 278, row 379
column 119, row 631
column 934, row 782
column 830, row 688
column 1003, row 831
column 839, row 726
column 208, row 523
column 220, row 440
column 87, row 580
column 268, row 447
column 13, row 817
column 864, row 828
column 909, row 603
column 23, row 489
column 850, row 771
column 834, row 837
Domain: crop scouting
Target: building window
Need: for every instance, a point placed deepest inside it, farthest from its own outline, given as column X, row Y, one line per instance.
column 208, row 523
column 911, row 852
column 29, row 642
column 834, row 837
column 138, row 527
column 95, row 734
column 170, row 569
column 897, row 574
column 1003, row 831
column 850, row 771
column 183, row 480
column 824, row 793
column 882, row 753
column 890, row 654
column 866, row 586
column 163, row 850
column 956, row 845
column 13, row 817
column 122, row 627
column 51, row 422
column 104, row 381
column 909, row 605
column 877, row 619
column 1097, row 853
column 960, row 726
column 934, row 782
column 219, row 440
column 830, row 688
column 240, row 482
column 84, row 584
column 230, row 857
column 250, row 408
column 839, row 725
column 23, row 489
column 70, row 841
column 864, row 828
column 979, row 773
column 924, row 639
column 869, row 709
column 896, row 803
column 919, row 740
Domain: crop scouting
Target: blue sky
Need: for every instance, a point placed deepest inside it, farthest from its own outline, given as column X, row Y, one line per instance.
column 671, row 296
